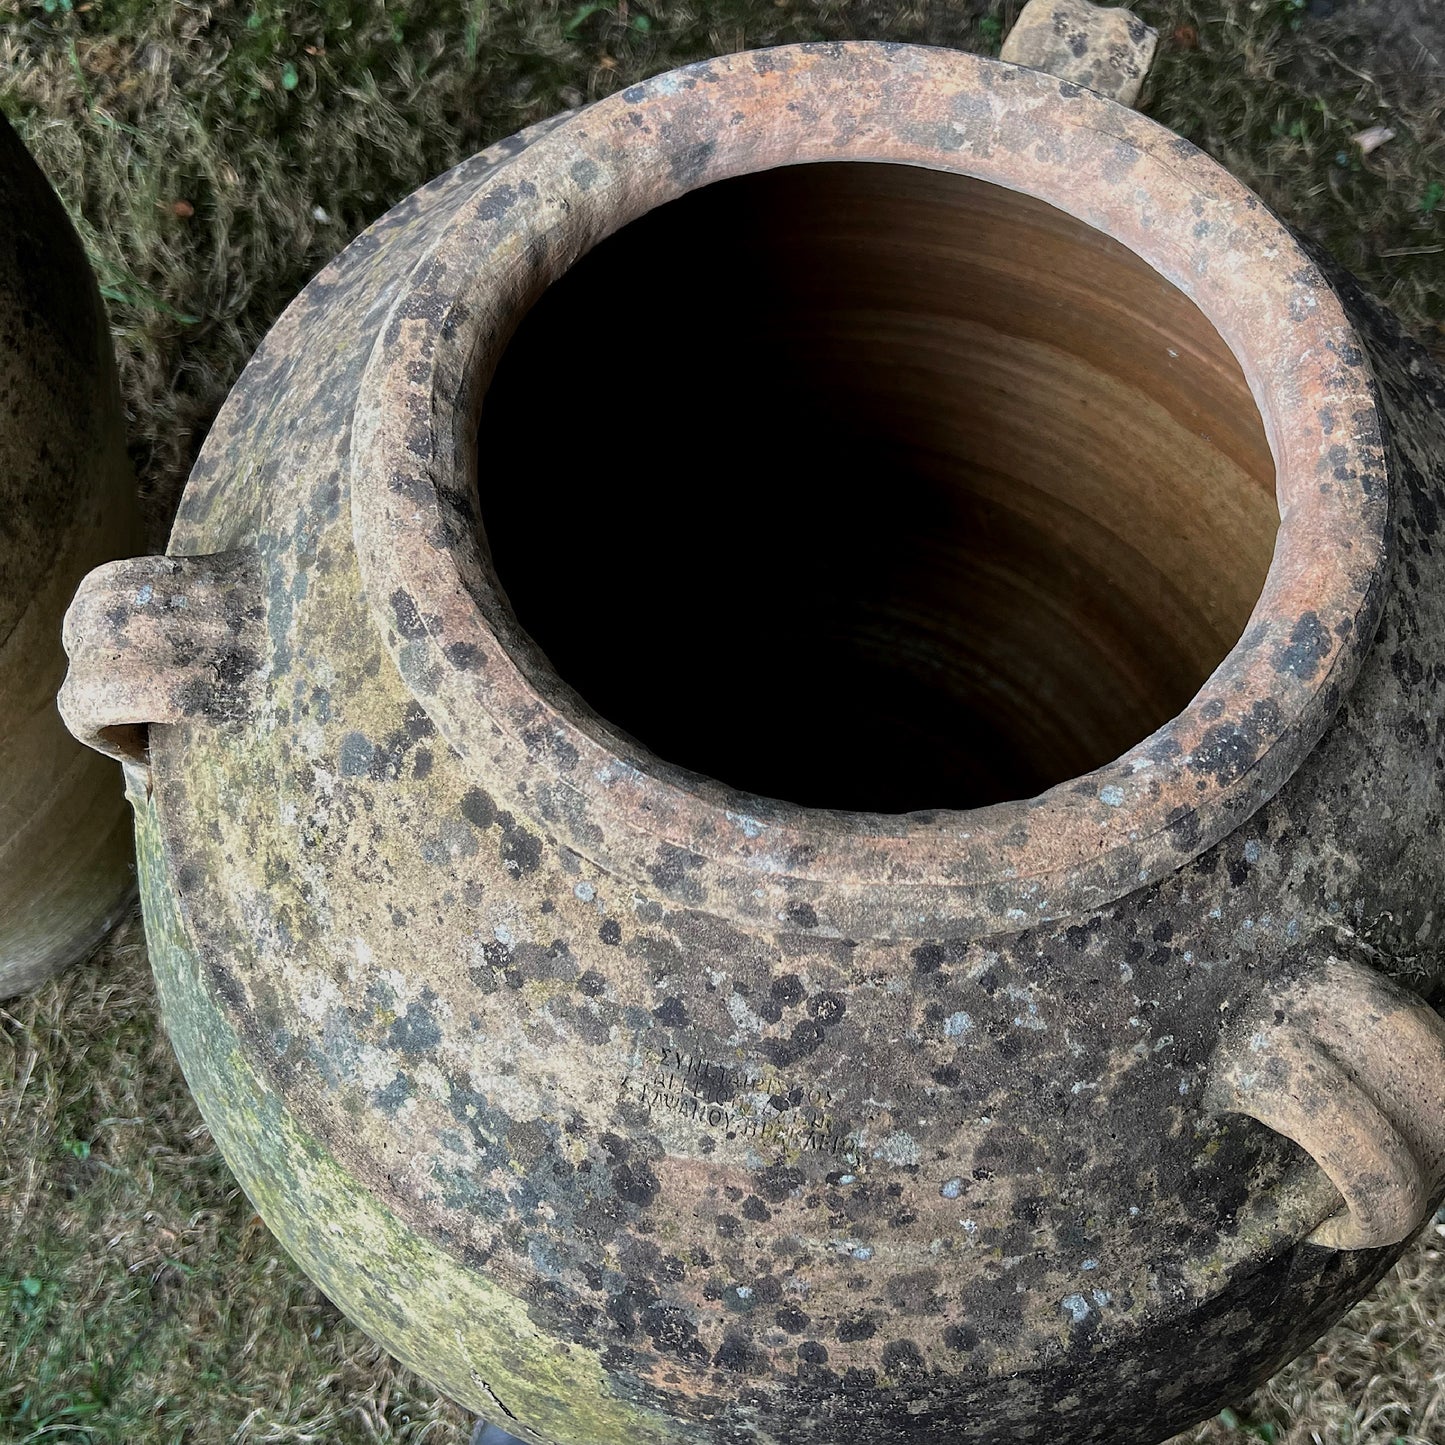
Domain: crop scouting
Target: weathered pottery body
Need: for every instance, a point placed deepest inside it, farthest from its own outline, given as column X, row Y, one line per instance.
column 67, row 502
column 628, row 1105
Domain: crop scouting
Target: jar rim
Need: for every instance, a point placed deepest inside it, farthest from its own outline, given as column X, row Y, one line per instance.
column 1080, row 845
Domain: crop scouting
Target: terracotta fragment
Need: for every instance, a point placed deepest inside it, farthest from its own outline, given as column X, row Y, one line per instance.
column 1105, row 47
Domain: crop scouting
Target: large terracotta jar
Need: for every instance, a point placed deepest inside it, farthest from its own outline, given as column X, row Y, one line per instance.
column 792, row 790
column 67, row 502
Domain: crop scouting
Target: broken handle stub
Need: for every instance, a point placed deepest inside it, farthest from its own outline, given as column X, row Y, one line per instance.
column 1104, row 48
column 1351, row 1067
column 161, row 640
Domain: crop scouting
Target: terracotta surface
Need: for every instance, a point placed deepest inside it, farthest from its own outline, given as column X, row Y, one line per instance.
column 630, row 1104
column 67, row 501
column 1105, row 47
column 1352, row 1068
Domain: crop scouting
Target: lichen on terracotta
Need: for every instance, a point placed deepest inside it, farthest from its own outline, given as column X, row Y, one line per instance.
column 780, row 1122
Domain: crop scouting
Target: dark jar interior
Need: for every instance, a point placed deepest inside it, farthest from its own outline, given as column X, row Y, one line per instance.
column 875, row 488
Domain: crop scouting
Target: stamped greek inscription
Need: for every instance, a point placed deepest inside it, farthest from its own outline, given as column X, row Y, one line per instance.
column 741, row 1102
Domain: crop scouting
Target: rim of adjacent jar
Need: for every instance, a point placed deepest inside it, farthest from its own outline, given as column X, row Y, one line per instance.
column 524, row 733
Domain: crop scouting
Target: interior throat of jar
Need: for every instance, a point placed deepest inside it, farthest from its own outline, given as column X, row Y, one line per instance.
column 875, row 488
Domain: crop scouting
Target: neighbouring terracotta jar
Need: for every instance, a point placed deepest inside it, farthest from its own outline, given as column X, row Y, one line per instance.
column 971, row 465
column 67, row 503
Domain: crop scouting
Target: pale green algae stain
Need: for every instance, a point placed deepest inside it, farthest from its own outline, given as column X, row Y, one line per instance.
column 453, row 1327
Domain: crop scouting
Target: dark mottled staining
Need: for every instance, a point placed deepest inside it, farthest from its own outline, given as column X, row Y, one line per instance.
column 687, row 163
column 807, row 1038
column 756, row 1210
column 356, row 755
column 610, row 932
column 778, row 1181
column 464, row 656
column 902, row 1358
column 827, row 1008
column 408, row 619
column 813, row 1353
column 592, row 984
column 1184, row 829
column 478, row 809
column 738, row 1354
column 496, row 958
column 671, row 1012
column 415, row 1031
column 548, row 742
column 1228, row 750
column 636, row 1184
column 394, row 1095
column 1408, row 669
column 960, row 1337
column 794, row 1321
column 803, row 915
column 673, row 865
column 928, row 958
column 1309, row 645
column 672, row 1331
column 859, row 1327
column 416, row 723
column 768, row 1289
column 787, row 991
column 498, row 200
column 933, row 957
column 226, row 985
column 521, row 850
column 1031, row 1209
column 728, row 1226
column 738, row 1298
column 622, row 1307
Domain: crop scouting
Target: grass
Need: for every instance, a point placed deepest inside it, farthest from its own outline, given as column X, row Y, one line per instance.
column 214, row 156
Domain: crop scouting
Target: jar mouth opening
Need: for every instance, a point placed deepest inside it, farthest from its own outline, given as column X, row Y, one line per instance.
column 1077, row 845
column 957, row 500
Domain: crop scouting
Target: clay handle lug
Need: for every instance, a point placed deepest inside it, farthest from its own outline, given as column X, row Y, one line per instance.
column 161, row 640
column 1103, row 47
column 1352, row 1068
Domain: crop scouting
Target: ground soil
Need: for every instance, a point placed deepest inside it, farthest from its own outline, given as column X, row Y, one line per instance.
column 1400, row 42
